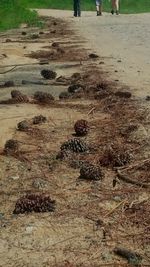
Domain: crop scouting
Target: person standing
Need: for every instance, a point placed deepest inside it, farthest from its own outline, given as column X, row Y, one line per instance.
column 76, row 8
column 115, row 7
column 99, row 7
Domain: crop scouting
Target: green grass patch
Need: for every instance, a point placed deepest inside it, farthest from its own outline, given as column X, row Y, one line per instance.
column 126, row 6
column 12, row 14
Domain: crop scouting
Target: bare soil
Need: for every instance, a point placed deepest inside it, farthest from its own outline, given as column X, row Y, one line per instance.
column 91, row 217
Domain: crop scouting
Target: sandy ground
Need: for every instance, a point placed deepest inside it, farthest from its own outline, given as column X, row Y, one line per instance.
column 122, row 41
column 82, row 230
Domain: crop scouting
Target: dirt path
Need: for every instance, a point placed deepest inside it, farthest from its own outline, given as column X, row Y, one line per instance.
column 95, row 214
column 122, row 40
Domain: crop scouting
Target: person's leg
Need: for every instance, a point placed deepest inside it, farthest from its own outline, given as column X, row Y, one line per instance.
column 78, row 8
column 75, row 7
column 117, row 6
column 99, row 7
column 112, row 6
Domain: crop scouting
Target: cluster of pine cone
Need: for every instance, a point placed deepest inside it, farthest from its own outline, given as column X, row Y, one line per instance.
column 25, row 125
column 36, row 203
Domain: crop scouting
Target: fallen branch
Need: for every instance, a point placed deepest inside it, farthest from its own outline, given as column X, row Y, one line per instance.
column 91, row 111
column 44, row 83
column 25, row 64
column 137, row 164
column 110, row 212
column 34, row 82
column 8, row 70
column 130, row 181
column 132, row 257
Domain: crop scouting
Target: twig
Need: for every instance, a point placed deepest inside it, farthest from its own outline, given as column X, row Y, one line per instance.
column 8, row 70
column 137, row 164
column 91, row 111
column 52, row 121
column 64, row 240
column 130, row 181
column 24, row 64
column 110, row 212
column 34, row 82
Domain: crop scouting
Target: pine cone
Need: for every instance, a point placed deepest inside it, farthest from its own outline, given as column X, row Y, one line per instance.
column 18, row 97
column 81, row 127
column 15, row 93
column 90, row 172
column 43, row 97
column 11, row 146
column 75, row 163
column 9, row 84
column 115, row 157
column 48, row 74
column 74, row 88
column 63, row 154
column 36, row 203
column 21, row 99
column 64, row 95
column 75, row 145
column 76, row 76
column 39, row 119
column 23, row 125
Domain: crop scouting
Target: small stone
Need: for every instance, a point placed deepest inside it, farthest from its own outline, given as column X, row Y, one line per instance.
column 117, row 198
column 34, row 36
column 106, row 256
column 29, row 229
column 1, row 216
column 55, row 44
column 124, row 94
column 39, row 183
column 23, row 33
column 148, row 98
column 8, row 40
column 15, row 177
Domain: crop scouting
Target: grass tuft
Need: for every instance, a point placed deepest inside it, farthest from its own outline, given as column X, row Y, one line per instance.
column 12, row 14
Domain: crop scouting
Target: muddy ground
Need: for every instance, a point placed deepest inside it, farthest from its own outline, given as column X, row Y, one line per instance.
column 91, row 217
